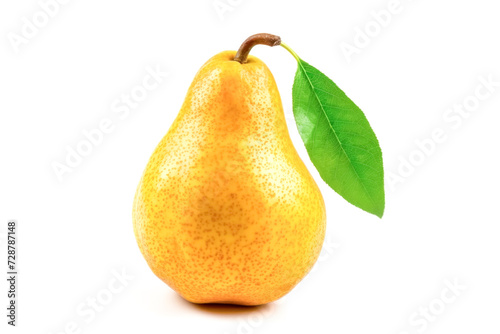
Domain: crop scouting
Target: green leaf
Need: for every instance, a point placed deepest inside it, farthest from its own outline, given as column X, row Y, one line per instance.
column 339, row 140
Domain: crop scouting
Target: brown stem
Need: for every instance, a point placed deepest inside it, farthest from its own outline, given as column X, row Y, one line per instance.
column 250, row 42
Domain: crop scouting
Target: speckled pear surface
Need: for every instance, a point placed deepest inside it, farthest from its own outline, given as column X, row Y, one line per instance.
column 226, row 211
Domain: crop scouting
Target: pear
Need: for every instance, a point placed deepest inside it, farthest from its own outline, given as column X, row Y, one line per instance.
column 226, row 211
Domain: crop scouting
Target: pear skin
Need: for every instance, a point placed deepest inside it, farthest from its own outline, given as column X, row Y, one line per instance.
column 226, row 211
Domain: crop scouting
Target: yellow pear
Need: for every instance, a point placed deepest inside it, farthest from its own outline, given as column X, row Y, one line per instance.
column 226, row 211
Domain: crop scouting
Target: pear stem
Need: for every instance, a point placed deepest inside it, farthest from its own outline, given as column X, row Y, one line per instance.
column 250, row 42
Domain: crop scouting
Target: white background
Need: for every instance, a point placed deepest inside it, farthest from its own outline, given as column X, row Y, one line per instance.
column 441, row 222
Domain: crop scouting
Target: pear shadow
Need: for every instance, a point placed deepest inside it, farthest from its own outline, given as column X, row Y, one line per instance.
column 224, row 309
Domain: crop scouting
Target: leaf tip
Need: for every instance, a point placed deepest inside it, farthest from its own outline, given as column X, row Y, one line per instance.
column 379, row 212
